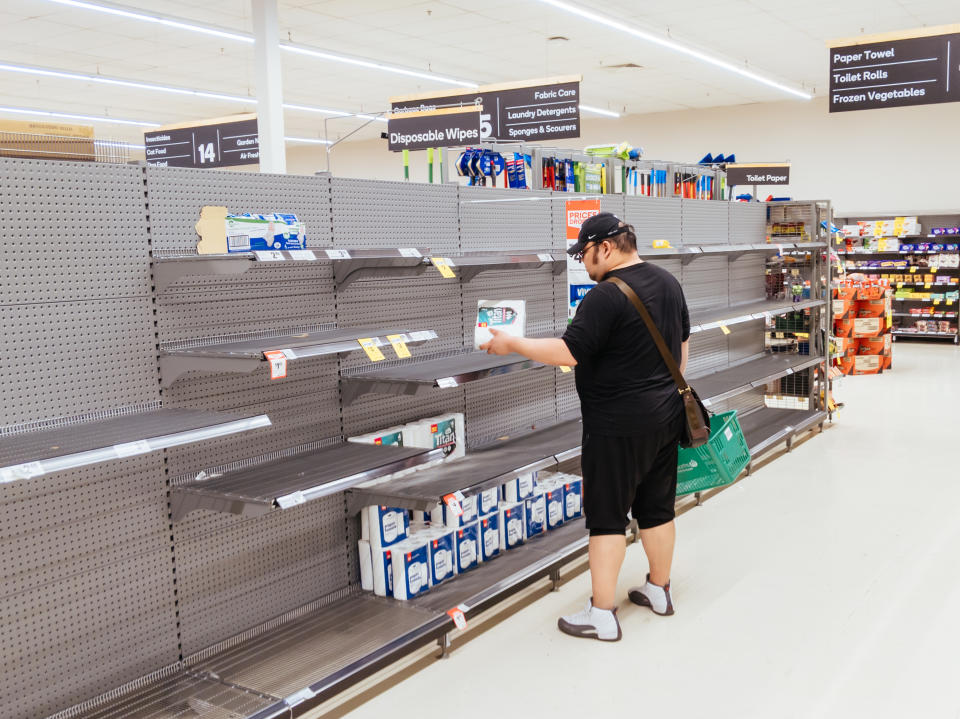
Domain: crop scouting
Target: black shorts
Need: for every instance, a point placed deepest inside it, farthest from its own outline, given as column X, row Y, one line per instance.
column 622, row 474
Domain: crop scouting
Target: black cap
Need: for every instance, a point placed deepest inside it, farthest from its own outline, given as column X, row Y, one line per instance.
column 596, row 229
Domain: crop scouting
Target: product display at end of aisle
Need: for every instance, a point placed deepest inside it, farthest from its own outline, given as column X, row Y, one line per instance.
column 863, row 318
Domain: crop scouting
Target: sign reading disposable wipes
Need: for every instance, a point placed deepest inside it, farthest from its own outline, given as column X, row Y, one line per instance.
column 758, row 174
column 226, row 143
column 451, row 127
column 903, row 70
column 523, row 111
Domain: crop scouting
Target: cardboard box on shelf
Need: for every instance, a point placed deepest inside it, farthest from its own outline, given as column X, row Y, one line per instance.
column 874, row 345
column 868, row 326
column 843, row 327
column 872, row 308
column 867, row 364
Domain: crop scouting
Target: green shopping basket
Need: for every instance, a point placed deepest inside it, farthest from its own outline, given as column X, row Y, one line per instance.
column 716, row 463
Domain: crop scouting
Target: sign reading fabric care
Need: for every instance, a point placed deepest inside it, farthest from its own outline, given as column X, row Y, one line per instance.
column 522, row 111
column 759, row 173
column 910, row 68
column 450, row 127
column 226, row 142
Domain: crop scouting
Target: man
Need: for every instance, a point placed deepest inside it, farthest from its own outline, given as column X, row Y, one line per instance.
column 632, row 415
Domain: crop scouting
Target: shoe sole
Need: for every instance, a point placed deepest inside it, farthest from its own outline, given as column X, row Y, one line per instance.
column 581, row 632
column 640, row 599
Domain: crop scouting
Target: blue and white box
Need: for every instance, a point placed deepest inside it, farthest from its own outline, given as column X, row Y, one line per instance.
column 443, row 515
column 519, row 489
column 383, row 526
column 467, row 547
column 488, row 501
column 535, row 516
column 511, row 525
column 376, row 570
column 489, row 537
column 572, row 499
column 555, row 504
column 249, row 232
column 442, row 545
column 411, row 569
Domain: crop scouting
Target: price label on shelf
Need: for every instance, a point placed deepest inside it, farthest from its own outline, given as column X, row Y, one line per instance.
column 446, row 382
column 300, row 697
column 410, row 252
column 303, row 255
column 443, row 265
column 789, row 370
column 545, row 257
column 399, row 343
column 269, row 256
column 564, row 368
column 291, row 500
column 661, row 245
column 371, row 345
column 453, row 501
column 913, row 269
column 458, row 616
column 22, row 471
column 338, row 254
column 130, row 449
column 926, row 285
column 899, row 285
column 421, row 336
column 936, row 302
column 278, row 363
column 725, row 329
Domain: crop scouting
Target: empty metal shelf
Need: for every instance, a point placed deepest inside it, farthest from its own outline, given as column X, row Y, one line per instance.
column 247, row 355
column 415, row 377
column 480, row 469
column 33, row 454
column 713, row 318
column 766, row 427
column 168, row 270
column 741, row 378
column 469, row 266
column 350, row 265
column 292, row 481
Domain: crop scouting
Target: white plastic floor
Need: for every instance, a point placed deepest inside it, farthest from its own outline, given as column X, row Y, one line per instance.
column 825, row 585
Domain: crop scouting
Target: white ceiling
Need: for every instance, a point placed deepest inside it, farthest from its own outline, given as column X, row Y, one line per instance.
column 492, row 41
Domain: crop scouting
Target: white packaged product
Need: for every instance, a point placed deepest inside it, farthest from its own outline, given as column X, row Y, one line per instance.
column 489, row 537
column 411, row 569
column 516, row 490
column 488, row 500
column 366, row 565
column 443, row 514
column 447, row 431
column 572, row 498
column 511, row 525
column 509, row 316
column 392, row 436
column 376, row 570
column 467, row 547
column 555, row 507
column 383, row 526
column 442, row 545
column 535, row 516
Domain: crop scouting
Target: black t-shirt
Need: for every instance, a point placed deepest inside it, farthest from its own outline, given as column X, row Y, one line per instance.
column 624, row 385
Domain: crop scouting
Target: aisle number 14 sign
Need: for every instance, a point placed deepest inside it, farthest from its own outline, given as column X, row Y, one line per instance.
column 224, row 142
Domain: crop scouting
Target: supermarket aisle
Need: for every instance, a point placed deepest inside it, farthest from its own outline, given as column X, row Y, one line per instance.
column 826, row 585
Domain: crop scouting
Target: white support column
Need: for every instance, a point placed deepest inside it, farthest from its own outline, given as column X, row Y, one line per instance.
column 269, row 79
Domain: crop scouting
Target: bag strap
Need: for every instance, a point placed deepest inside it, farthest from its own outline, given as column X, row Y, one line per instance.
column 665, row 352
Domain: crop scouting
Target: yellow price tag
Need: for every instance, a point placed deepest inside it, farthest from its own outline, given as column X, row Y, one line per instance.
column 661, row 244
column 899, row 285
column 913, row 269
column 442, row 264
column 949, row 303
column 725, row 329
column 936, row 302
column 369, row 345
column 926, row 285
column 889, row 321
column 399, row 346
column 564, row 368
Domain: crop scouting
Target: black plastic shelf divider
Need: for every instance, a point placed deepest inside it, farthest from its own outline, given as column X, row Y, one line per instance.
column 766, row 427
column 414, row 377
column 735, row 314
column 480, row 469
column 33, row 454
column 295, row 480
column 741, row 378
column 247, row 355
column 469, row 266
column 351, row 265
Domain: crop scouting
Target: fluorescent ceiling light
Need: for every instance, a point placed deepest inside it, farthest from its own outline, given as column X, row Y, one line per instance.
column 69, row 116
column 134, row 14
column 672, row 45
column 335, row 113
column 308, row 140
column 598, row 111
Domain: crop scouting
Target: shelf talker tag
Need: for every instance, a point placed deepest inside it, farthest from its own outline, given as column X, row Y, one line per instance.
column 453, row 502
column 458, row 617
column 661, row 245
column 564, row 368
column 278, row 363
column 372, row 348
column 725, row 329
column 399, row 346
column 443, row 266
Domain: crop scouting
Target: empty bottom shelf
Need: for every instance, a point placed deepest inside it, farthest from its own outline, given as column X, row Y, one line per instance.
column 768, row 426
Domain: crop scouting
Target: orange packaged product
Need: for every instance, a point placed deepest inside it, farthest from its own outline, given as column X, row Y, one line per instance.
column 874, row 345
column 869, row 326
column 843, row 327
column 867, row 364
column 871, row 308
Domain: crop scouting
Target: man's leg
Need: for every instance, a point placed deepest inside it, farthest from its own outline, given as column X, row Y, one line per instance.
column 658, row 544
column 606, row 557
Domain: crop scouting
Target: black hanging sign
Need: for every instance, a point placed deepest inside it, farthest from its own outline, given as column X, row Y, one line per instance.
column 451, row 127
column 227, row 142
column 760, row 173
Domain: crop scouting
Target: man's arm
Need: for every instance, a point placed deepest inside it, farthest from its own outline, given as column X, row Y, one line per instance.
column 549, row 351
column 684, row 356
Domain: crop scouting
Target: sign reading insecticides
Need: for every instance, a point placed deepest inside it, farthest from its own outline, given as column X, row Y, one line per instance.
column 921, row 67
column 758, row 173
column 449, row 127
column 226, row 142
column 518, row 112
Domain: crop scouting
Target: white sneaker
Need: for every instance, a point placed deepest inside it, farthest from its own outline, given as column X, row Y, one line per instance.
column 653, row 596
column 592, row 623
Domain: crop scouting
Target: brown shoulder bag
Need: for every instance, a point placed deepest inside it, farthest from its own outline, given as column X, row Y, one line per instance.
column 696, row 428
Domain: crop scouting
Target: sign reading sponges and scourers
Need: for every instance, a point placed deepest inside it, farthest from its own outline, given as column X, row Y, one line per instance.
column 508, row 316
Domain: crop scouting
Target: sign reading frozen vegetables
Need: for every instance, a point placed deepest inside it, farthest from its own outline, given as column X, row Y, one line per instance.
column 520, row 112
column 920, row 67
column 450, row 127
column 227, row 142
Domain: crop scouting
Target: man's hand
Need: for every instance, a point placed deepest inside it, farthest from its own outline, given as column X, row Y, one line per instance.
column 501, row 344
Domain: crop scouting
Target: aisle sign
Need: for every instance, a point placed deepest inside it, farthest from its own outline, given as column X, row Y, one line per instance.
column 227, row 142
column 525, row 111
column 449, row 127
column 920, row 67
column 758, row 173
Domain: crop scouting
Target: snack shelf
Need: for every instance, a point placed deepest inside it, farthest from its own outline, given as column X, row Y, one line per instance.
column 295, row 480
column 934, row 316
column 411, row 378
column 33, row 454
column 245, row 356
column 480, row 469
column 902, row 333
column 466, row 267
